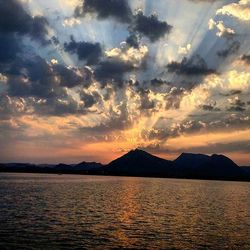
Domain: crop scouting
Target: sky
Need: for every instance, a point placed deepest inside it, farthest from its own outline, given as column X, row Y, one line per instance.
column 92, row 79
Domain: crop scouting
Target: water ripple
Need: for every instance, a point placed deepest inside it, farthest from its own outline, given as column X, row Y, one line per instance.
column 94, row 212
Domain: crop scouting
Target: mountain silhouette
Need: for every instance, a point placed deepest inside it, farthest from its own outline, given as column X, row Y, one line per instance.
column 140, row 163
column 137, row 162
column 83, row 166
column 204, row 166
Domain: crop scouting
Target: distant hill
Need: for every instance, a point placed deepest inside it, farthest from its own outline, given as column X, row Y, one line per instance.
column 140, row 163
column 80, row 168
column 83, row 166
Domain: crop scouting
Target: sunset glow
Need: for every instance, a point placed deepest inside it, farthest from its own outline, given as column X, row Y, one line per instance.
column 79, row 81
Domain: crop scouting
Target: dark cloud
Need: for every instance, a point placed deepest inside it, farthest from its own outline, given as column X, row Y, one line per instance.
column 89, row 99
column 133, row 40
column 112, row 70
column 196, row 65
column 210, row 107
column 232, row 92
column 31, row 77
column 35, row 77
column 9, row 47
column 231, row 49
column 191, row 126
column 59, row 106
column 155, row 148
column 150, row 26
column 14, row 19
column 211, row 122
column 227, row 121
column 174, row 98
column 118, row 9
column 15, row 23
column 44, row 87
column 159, row 82
column 246, row 58
column 237, row 105
column 39, row 29
column 55, row 40
column 21, row 87
column 164, row 132
column 146, row 103
column 70, row 77
column 91, row 52
column 159, row 134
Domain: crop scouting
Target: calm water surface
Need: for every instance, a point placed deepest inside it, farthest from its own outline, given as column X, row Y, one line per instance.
column 39, row 211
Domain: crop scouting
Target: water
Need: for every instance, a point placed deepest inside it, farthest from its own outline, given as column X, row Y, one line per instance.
column 40, row 211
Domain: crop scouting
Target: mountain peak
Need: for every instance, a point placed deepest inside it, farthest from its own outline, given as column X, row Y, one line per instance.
column 191, row 157
column 137, row 161
column 138, row 151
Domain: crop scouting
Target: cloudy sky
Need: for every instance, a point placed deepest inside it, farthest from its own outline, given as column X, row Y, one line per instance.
column 92, row 79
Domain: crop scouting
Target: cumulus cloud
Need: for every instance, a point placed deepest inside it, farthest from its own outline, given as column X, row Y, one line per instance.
column 135, row 56
column 240, row 10
column 184, row 50
column 120, row 94
column 222, row 30
column 72, row 21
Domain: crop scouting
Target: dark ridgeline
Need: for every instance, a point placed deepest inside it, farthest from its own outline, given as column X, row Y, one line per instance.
column 140, row 163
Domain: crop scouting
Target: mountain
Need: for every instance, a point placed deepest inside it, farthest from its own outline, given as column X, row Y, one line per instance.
column 246, row 169
column 88, row 166
column 138, row 162
column 80, row 168
column 188, row 160
column 204, row 166
column 83, row 166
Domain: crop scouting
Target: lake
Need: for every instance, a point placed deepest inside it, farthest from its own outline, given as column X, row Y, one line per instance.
column 42, row 211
